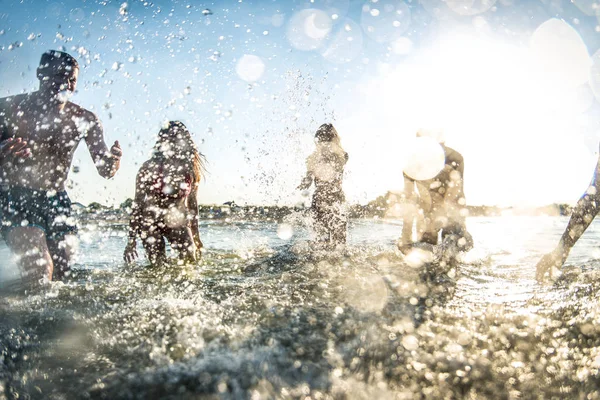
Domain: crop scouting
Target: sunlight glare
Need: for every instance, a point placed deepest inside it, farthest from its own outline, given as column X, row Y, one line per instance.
column 561, row 53
column 425, row 158
column 496, row 106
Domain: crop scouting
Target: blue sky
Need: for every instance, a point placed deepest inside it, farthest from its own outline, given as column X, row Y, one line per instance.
column 373, row 68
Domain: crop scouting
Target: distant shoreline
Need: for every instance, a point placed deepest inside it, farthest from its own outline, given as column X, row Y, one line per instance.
column 120, row 215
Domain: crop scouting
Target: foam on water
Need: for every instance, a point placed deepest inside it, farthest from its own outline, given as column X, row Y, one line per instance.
column 282, row 321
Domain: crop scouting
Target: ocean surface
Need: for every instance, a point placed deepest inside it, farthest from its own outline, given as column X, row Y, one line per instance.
column 265, row 315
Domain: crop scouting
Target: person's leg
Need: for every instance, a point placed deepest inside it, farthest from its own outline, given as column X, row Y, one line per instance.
column 338, row 224
column 61, row 252
column 320, row 226
column 459, row 235
column 29, row 245
column 154, row 244
column 428, row 231
column 182, row 241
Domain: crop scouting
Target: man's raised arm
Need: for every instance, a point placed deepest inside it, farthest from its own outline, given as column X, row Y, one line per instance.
column 107, row 162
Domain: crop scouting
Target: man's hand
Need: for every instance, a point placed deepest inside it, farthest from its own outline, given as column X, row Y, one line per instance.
column 549, row 261
column 111, row 161
column 12, row 147
column 130, row 253
column 115, row 150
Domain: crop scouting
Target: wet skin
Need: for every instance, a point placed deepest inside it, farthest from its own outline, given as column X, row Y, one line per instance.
column 39, row 133
column 157, row 215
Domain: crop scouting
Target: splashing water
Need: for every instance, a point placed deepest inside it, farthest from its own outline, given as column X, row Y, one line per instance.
column 289, row 322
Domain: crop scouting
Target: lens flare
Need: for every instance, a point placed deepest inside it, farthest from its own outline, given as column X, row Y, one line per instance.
column 425, row 158
column 308, row 28
column 250, row 68
column 346, row 45
column 386, row 20
column 561, row 54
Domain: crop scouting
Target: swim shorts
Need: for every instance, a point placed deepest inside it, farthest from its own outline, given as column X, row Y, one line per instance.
column 48, row 210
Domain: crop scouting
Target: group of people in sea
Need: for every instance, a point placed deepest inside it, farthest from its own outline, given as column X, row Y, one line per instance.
column 40, row 131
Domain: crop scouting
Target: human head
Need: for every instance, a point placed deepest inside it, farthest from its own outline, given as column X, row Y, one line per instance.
column 175, row 142
column 57, row 73
column 174, row 136
column 436, row 134
column 326, row 133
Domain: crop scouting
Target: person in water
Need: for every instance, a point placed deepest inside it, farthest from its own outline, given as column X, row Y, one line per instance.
column 583, row 214
column 437, row 205
column 166, row 203
column 325, row 167
column 40, row 132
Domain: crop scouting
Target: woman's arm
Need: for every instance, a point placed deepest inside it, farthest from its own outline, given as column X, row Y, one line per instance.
column 130, row 253
column 308, row 178
column 193, row 215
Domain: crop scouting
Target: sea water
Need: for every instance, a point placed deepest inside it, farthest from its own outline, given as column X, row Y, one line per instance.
column 265, row 315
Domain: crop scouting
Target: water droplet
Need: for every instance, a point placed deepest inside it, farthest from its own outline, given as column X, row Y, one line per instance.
column 250, row 67
column 386, row 23
column 285, row 231
column 410, row 342
column 76, row 15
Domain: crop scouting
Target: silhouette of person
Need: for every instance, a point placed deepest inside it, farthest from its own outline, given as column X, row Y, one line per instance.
column 585, row 210
column 36, row 209
column 438, row 205
column 166, row 204
column 325, row 167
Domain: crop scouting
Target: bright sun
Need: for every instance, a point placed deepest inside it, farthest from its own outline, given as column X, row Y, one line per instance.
column 516, row 113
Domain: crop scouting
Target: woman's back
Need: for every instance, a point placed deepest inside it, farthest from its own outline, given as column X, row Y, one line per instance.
column 327, row 166
column 165, row 181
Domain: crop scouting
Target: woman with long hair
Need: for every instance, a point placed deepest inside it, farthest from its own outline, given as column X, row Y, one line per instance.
column 325, row 167
column 166, row 204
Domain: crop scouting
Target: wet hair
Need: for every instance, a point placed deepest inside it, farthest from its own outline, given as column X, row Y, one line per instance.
column 175, row 141
column 49, row 64
column 327, row 133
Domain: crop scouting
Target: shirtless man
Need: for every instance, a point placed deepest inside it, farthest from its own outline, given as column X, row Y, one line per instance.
column 36, row 210
column 583, row 214
column 441, row 202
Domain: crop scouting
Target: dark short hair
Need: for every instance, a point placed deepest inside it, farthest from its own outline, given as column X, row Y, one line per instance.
column 51, row 56
column 325, row 133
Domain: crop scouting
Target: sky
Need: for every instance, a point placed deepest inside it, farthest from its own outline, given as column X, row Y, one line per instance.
column 514, row 85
